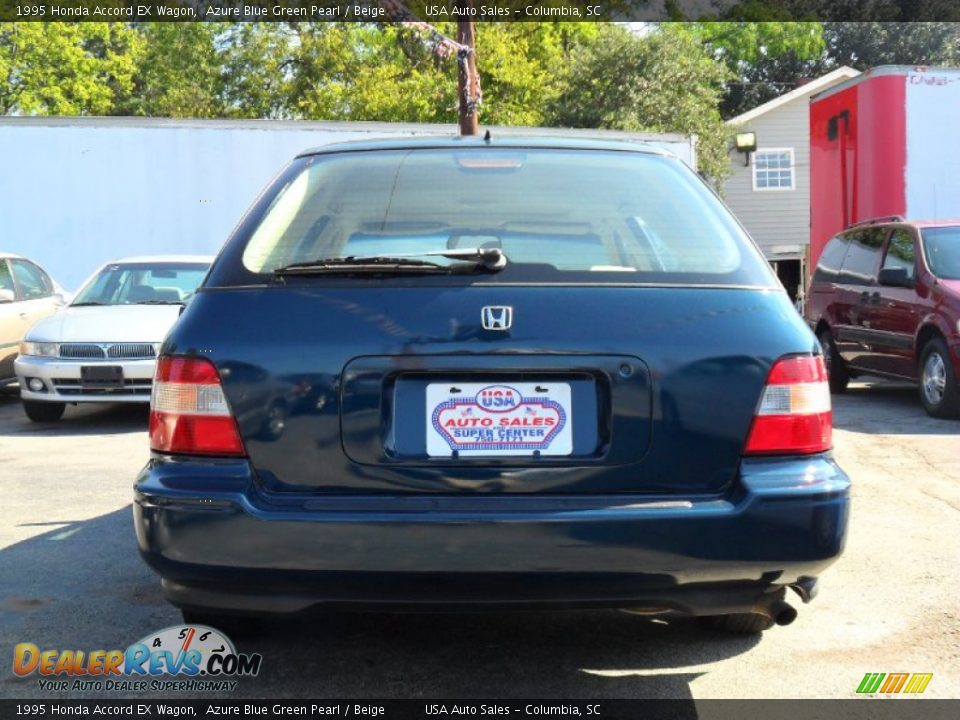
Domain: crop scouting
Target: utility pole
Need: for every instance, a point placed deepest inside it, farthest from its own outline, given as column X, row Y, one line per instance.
column 468, row 82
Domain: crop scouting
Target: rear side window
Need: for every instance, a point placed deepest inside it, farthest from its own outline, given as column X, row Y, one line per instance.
column 863, row 257
column 831, row 260
column 942, row 248
column 6, row 279
column 33, row 281
column 900, row 253
column 566, row 215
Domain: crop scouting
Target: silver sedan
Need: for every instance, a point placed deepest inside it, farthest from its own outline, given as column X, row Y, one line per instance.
column 103, row 346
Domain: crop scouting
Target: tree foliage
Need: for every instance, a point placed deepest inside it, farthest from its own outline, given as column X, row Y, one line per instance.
column 350, row 71
column 178, row 72
column 663, row 81
column 868, row 44
column 780, row 48
column 66, row 68
column 677, row 77
column 766, row 59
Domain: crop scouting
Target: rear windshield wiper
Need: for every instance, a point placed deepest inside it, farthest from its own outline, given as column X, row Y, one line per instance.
column 491, row 259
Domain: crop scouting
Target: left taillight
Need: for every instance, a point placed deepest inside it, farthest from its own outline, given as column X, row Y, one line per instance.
column 189, row 413
column 794, row 416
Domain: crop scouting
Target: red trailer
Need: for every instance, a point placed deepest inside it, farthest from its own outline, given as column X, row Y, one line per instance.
column 886, row 142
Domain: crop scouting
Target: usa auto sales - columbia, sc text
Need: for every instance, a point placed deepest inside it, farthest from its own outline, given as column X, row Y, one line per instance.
column 530, row 709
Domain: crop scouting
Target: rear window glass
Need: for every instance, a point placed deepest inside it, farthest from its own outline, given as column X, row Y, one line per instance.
column 942, row 248
column 593, row 216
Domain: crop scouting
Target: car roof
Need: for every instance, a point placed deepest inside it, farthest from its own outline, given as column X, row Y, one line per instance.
column 508, row 141
column 933, row 223
column 161, row 259
column 949, row 222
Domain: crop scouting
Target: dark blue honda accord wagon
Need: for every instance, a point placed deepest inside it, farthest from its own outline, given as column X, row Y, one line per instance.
column 508, row 373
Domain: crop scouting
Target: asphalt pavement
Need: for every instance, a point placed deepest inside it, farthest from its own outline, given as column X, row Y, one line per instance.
column 70, row 577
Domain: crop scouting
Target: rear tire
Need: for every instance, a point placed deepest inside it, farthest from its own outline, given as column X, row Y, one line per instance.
column 740, row 623
column 836, row 369
column 43, row 411
column 938, row 383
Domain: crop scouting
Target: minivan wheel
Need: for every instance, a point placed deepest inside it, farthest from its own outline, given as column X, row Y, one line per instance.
column 938, row 384
column 43, row 411
column 836, row 369
column 740, row 623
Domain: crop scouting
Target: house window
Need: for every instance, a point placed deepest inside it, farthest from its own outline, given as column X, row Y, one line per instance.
column 773, row 169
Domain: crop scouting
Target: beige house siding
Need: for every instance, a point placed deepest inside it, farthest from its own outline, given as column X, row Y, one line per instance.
column 775, row 217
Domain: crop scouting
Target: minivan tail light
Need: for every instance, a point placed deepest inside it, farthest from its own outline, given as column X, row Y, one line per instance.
column 189, row 413
column 794, row 415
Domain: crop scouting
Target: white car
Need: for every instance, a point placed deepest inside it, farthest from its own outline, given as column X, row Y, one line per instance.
column 103, row 346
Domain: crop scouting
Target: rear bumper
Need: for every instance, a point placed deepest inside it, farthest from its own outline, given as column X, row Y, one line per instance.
column 218, row 542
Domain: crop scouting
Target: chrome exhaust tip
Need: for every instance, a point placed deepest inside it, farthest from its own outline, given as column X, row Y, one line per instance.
column 782, row 613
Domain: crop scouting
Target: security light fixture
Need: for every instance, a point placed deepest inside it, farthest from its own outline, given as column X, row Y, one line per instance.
column 746, row 144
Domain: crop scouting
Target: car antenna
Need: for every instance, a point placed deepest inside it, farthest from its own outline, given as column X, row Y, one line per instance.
column 486, row 136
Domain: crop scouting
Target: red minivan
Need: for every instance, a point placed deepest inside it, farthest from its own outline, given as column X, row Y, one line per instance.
column 885, row 301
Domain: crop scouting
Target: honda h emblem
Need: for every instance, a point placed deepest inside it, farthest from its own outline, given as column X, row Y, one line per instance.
column 496, row 317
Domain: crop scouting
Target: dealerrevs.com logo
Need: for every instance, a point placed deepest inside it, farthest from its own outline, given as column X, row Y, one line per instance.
column 200, row 657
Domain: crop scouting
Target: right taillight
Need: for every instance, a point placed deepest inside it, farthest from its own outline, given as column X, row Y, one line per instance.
column 189, row 412
column 794, row 414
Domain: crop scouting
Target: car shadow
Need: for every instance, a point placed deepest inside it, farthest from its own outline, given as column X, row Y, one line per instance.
column 82, row 585
column 886, row 408
column 83, row 419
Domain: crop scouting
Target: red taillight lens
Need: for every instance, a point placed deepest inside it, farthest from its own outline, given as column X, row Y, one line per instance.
column 188, row 411
column 794, row 416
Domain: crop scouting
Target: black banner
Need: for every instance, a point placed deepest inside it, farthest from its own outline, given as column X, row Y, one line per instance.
column 866, row 708
column 479, row 10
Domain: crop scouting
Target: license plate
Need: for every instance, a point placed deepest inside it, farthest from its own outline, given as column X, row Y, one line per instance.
column 101, row 376
column 486, row 420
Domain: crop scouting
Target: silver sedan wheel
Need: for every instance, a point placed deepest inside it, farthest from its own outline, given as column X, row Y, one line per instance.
column 934, row 379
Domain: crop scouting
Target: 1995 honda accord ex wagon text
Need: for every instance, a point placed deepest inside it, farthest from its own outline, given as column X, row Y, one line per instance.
column 512, row 373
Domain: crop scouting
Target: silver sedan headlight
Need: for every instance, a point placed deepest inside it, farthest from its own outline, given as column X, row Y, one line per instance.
column 39, row 349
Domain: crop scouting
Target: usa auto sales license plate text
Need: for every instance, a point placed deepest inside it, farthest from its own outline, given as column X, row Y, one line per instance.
column 488, row 420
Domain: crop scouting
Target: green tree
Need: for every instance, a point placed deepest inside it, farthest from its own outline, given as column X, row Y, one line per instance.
column 178, row 72
column 767, row 59
column 355, row 71
column 349, row 71
column 66, row 68
column 868, row 44
column 522, row 68
column 256, row 60
column 663, row 81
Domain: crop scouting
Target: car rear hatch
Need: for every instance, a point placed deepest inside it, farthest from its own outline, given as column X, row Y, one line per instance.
column 655, row 386
column 622, row 348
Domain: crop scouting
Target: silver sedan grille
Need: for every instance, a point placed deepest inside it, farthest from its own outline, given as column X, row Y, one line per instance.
column 112, row 351
column 82, row 351
column 131, row 351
